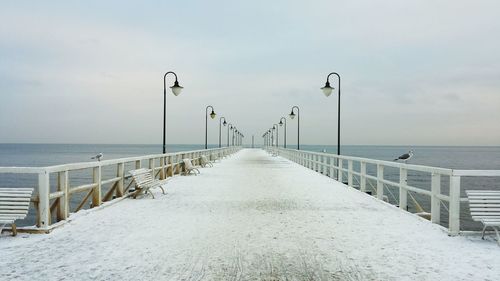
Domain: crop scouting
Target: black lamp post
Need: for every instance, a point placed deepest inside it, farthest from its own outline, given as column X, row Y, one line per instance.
column 176, row 90
column 281, row 124
column 233, row 129
column 212, row 115
column 229, row 127
column 327, row 90
column 292, row 115
column 225, row 123
column 277, row 135
column 271, row 136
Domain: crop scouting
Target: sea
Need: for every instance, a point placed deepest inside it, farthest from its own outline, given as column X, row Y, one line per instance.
column 454, row 157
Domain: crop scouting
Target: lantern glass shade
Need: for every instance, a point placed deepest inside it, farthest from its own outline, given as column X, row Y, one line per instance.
column 212, row 114
column 292, row 115
column 176, row 88
column 327, row 89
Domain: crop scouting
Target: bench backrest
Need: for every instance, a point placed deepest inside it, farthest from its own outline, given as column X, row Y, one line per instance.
column 484, row 204
column 14, row 203
column 187, row 164
column 142, row 177
column 204, row 159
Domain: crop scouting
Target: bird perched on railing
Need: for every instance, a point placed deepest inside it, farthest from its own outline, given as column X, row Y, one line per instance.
column 98, row 157
column 405, row 157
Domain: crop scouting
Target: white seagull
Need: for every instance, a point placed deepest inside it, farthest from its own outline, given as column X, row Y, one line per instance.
column 98, row 157
column 405, row 157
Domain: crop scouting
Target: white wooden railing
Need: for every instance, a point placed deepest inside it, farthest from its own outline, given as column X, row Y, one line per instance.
column 334, row 166
column 53, row 200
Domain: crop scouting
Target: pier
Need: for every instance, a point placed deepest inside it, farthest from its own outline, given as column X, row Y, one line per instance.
column 253, row 216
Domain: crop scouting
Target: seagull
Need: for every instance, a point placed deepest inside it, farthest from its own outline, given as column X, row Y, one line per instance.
column 405, row 157
column 98, row 157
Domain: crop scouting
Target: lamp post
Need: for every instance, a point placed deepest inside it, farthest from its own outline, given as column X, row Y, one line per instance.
column 232, row 135
column 271, row 136
column 225, row 123
column 292, row 115
column 281, row 124
column 277, row 135
column 176, row 90
column 212, row 115
column 327, row 90
column 229, row 127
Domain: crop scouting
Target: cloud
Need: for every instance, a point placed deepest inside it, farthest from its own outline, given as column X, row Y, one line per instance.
column 95, row 66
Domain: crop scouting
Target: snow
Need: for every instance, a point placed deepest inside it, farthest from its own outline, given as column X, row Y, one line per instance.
column 251, row 217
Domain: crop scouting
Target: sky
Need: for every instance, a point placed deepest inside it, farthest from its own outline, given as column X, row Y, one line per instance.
column 412, row 72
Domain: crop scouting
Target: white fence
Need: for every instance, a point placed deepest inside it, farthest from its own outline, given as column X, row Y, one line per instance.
column 53, row 200
column 334, row 166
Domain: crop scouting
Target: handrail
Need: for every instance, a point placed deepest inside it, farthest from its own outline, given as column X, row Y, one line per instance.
column 333, row 166
column 51, row 203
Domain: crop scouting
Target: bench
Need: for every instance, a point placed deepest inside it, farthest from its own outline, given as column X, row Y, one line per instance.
column 204, row 162
column 144, row 181
column 188, row 167
column 485, row 207
column 14, row 205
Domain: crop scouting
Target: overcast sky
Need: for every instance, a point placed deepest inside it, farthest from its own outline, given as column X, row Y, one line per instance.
column 413, row 72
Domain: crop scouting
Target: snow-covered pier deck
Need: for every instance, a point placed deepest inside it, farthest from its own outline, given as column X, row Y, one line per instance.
column 251, row 217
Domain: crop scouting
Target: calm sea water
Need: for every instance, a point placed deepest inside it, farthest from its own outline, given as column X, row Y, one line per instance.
column 439, row 156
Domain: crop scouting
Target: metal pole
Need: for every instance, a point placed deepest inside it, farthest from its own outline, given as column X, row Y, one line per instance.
column 229, row 125
column 298, row 126
column 220, row 120
column 277, row 134
column 165, row 109
column 338, row 111
column 206, row 125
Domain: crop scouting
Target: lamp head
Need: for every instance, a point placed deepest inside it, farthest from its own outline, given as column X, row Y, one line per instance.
column 176, row 88
column 280, row 123
column 212, row 114
column 292, row 115
column 224, row 123
column 327, row 89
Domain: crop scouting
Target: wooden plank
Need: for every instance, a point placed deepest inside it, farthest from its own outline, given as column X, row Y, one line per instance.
column 82, row 203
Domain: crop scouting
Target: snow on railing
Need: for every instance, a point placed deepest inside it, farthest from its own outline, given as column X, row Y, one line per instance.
column 334, row 166
column 53, row 201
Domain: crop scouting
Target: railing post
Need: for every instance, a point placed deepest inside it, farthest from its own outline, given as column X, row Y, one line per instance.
column 332, row 170
column 96, row 191
column 362, row 179
column 349, row 173
column 403, row 192
column 316, row 162
column 63, row 209
column 454, row 220
column 170, row 166
column 43, row 197
column 120, row 172
column 380, row 184
column 162, row 171
column 339, row 170
column 152, row 167
column 137, row 164
column 435, row 201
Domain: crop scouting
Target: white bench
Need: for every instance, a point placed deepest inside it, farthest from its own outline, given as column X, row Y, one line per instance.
column 485, row 207
column 204, row 162
column 14, row 205
column 188, row 167
column 144, row 181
